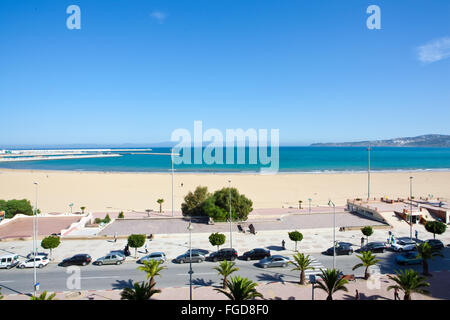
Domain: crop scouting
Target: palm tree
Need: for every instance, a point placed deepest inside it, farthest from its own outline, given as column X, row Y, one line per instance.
column 43, row 296
column 160, row 201
column 425, row 253
column 300, row 204
column 225, row 269
column 1, row 297
column 241, row 289
column 367, row 260
column 409, row 282
column 331, row 282
column 82, row 209
column 302, row 263
column 140, row 291
column 152, row 268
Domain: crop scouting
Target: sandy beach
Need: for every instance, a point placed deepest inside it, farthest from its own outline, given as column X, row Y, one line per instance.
column 139, row 191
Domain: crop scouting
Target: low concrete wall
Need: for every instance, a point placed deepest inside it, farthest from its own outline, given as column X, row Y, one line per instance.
column 368, row 213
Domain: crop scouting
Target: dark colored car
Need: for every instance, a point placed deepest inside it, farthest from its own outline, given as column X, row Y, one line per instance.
column 374, row 247
column 202, row 252
column 340, row 250
column 435, row 244
column 187, row 257
column 223, row 254
column 78, row 259
column 256, row 254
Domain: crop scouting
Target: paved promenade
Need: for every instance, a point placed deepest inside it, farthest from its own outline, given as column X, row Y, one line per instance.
column 369, row 290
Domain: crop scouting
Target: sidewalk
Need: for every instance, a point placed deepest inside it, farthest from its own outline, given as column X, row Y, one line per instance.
column 440, row 282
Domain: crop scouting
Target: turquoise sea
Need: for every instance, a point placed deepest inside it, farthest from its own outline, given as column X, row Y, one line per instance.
column 291, row 159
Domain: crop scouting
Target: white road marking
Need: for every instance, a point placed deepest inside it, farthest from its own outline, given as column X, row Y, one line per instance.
column 84, row 278
column 6, row 281
column 196, row 273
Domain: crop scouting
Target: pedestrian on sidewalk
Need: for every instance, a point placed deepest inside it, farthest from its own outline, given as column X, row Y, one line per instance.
column 115, row 236
column 396, row 296
column 357, row 295
column 417, row 235
column 146, row 251
column 283, row 243
column 362, row 242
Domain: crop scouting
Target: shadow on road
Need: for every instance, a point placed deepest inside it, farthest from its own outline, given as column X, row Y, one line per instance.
column 122, row 284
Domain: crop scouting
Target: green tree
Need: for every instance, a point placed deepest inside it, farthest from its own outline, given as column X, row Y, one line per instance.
column 140, row 291
column 296, row 237
column 409, row 282
column 82, row 209
column 217, row 239
column 1, row 297
column 107, row 219
column 425, row 252
column 194, row 202
column 121, row 215
column 435, row 227
column 136, row 241
column 331, row 282
column 367, row 260
column 13, row 207
column 225, row 269
column 367, row 231
column 302, row 263
column 160, row 201
column 240, row 289
column 152, row 268
column 217, row 206
column 50, row 243
column 43, row 296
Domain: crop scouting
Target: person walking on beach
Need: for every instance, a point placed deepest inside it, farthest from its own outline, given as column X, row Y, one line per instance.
column 283, row 243
column 396, row 296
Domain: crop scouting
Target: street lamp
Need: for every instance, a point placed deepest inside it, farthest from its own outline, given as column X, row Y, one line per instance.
column 190, row 227
column 71, row 205
column 35, row 233
column 231, row 234
column 368, row 175
column 410, row 214
column 171, row 157
column 331, row 203
column 309, row 199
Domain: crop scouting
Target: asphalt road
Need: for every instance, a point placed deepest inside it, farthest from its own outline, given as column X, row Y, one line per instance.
column 93, row 277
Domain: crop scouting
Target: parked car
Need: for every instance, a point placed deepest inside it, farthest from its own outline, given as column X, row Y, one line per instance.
column 186, row 257
column 8, row 261
column 374, row 247
column 41, row 261
column 435, row 244
column 223, row 254
column 119, row 253
column 408, row 258
column 82, row 259
column 110, row 259
column 274, row 261
column 341, row 249
column 256, row 254
column 404, row 244
column 42, row 254
column 158, row 256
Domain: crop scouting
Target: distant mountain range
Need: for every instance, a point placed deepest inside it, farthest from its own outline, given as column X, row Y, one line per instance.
column 428, row 140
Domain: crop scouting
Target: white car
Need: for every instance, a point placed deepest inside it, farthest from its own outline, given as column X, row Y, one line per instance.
column 41, row 261
column 403, row 245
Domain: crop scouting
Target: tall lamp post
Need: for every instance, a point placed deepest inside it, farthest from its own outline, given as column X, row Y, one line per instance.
column 171, row 158
column 368, row 174
column 71, row 205
column 190, row 227
column 35, row 233
column 309, row 199
column 231, row 233
column 331, row 203
column 410, row 213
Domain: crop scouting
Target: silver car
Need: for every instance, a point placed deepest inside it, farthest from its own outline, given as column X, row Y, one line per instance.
column 110, row 259
column 158, row 256
column 186, row 257
column 274, row 261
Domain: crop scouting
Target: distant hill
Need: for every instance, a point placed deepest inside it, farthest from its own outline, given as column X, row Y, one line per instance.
column 428, row 140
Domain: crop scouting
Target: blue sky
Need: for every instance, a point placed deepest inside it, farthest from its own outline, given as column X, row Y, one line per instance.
column 137, row 70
